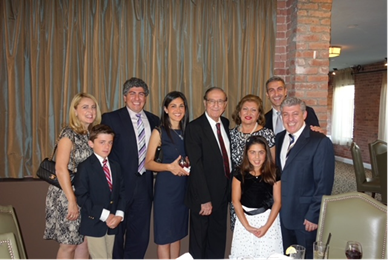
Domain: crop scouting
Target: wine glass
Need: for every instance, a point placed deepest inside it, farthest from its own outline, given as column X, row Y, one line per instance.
column 184, row 162
column 353, row 250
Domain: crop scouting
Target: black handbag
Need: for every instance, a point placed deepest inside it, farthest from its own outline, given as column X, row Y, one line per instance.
column 159, row 152
column 46, row 171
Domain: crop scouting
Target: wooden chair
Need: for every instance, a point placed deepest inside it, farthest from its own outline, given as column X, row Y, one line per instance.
column 376, row 148
column 381, row 160
column 363, row 184
column 10, row 224
column 353, row 216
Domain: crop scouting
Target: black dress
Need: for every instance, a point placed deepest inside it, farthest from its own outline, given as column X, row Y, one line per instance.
column 170, row 213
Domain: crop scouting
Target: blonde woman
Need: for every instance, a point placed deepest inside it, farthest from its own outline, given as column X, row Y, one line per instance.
column 62, row 212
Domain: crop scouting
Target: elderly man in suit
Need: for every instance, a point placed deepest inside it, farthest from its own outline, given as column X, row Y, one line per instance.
column 276, row 93
column 306, row 160
column 132, row 126
column 208, row 148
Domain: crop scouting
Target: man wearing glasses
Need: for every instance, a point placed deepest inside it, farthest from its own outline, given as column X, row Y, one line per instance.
column 133, row 126
column 208, row 147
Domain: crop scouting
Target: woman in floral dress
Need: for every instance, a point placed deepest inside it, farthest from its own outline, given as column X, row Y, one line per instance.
column 62, row 212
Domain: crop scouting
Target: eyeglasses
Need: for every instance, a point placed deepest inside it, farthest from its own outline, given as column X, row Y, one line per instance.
column 133, row 93
column 212, row 102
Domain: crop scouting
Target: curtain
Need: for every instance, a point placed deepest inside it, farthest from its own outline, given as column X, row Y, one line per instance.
column 383, row 112
column 343, row 107
column 53, row 49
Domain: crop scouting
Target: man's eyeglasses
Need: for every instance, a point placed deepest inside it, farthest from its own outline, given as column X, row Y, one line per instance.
column 212, row 102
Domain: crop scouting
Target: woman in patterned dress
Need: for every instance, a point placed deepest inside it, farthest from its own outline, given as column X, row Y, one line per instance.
column 62, row 212
column 250, row 121
column 257, row 201
column 171, row 216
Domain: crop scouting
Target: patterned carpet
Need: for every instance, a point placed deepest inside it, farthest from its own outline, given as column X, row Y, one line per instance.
column 345, row 179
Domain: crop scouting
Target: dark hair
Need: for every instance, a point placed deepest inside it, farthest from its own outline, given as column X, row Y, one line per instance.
column 100, row 129
column 135, row 82
column 272, row 79
column 165, row 118
column 268, row 169
column 249, row 98
column 214, row 88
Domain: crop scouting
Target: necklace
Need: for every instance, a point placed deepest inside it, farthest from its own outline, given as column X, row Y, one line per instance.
column 247, row 135
column 180, row 136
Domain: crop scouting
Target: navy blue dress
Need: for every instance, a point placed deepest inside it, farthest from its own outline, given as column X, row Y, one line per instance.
column 170, row 213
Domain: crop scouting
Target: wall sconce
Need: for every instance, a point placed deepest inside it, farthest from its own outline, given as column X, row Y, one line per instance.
column 334, row 70
column 334, row 51
column 385, row 62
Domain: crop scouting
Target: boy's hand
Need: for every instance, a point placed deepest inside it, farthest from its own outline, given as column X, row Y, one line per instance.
column 113, row 221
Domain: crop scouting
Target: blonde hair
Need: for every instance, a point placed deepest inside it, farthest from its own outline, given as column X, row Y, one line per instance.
column 74, row 121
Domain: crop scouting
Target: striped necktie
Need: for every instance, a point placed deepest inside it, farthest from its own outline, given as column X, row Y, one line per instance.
column 292, row 140
column 141, row 144
column 107, row 173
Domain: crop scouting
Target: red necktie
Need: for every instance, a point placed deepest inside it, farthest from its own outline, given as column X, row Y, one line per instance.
column 224, row 153
column 107, row 174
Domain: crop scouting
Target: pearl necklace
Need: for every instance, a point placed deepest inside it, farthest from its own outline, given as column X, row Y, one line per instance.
column 180, row 136
column 246, row 135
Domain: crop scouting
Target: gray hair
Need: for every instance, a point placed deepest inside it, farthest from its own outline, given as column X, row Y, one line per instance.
column 293, row 101
column 135, row 82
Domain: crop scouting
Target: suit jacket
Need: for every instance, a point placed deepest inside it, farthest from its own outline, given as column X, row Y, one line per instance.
column 124, row 150
column 307, row 175
column 311, row 118
column 207, row 181
column 93, row 195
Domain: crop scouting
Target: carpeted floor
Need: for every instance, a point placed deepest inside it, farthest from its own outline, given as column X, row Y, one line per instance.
column 345, row 179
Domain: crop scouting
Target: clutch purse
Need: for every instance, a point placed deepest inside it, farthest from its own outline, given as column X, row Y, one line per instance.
column 46, row 171
column 159, row 152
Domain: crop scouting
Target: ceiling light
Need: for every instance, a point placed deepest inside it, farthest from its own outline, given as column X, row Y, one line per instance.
column 334, row 51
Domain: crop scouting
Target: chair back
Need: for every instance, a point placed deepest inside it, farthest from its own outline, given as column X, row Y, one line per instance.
column 8, row 246
column 376, row 148
column 382, row 169
column 353, row 216
column 10, row 224
column 358, row 165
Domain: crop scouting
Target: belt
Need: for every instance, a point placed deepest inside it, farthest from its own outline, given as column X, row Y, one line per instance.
column 255, row 211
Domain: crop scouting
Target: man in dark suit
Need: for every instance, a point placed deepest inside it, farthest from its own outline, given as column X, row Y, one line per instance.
column 208, row 148
column 276, row 93
column 128, row 123
column 307, row 162
column 100, row 194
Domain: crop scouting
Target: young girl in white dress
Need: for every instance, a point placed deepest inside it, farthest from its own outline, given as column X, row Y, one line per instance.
column 257, row 200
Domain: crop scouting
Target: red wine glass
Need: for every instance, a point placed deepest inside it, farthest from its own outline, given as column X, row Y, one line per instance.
column 353, row 250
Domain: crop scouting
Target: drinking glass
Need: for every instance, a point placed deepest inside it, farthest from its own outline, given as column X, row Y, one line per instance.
column 353, row 250
column 321, row 250
column 300, row 252
column 184, row 162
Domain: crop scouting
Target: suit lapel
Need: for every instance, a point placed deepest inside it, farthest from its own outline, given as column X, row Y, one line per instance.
column 298, row 147
column 127, row 125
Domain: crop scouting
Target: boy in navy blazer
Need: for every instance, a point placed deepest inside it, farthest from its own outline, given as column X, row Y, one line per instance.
column 100, row 194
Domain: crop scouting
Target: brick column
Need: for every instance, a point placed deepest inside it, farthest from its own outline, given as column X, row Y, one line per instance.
column 302, row 51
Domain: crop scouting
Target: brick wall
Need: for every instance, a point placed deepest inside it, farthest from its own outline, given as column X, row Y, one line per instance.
column 301, row 56
column 367, row 87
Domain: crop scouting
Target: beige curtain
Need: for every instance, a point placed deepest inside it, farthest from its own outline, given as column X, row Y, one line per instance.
column 51, row 50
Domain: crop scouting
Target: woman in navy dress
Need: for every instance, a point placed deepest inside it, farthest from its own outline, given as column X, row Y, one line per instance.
column 170, row 212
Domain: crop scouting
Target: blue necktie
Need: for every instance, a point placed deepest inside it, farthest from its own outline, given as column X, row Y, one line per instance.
column 141, row 145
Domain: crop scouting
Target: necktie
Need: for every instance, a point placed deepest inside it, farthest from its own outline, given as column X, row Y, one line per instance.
column 223, row 150
column 141, row 144
column 279, row 123
column 107, row 173
column 292, row 140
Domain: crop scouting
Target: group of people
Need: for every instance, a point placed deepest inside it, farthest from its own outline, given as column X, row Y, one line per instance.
column 271, row 171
